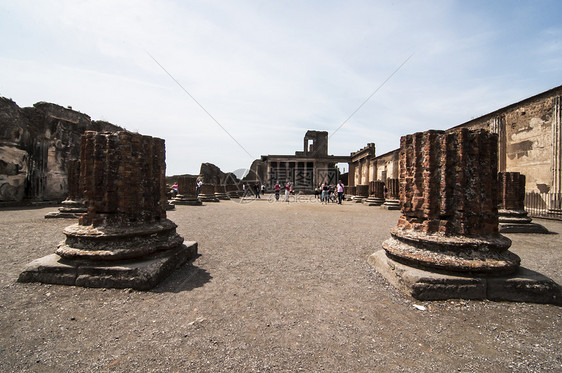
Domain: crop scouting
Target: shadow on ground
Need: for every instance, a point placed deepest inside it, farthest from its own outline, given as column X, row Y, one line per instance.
column 185, row 278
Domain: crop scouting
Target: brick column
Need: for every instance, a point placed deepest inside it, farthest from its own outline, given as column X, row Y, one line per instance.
column 124, row 240
column 448, row 194
column 377, row 194
column 123, row 176
column 73, row 205
column 73, row 176
column 393, row 189
column 351, row 175
column 392, row 198
column 362, row 190
column 511, row 205
column 378, row 191
column 207, row 193
column 187, row 188
column 187, row 185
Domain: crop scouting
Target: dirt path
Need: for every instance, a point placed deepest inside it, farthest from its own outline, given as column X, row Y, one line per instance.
column 277, row 287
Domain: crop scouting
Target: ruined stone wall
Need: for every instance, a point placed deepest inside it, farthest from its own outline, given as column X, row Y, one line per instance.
column 525, row 130
column 35, row 145
column 211, row 174
column 387, row 166
column 529, row 141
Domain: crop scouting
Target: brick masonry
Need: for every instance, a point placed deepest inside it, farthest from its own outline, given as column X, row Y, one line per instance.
column 187, row 185
column 393, row 188
column 123, row 177
column 448, row 194
column 511, row 188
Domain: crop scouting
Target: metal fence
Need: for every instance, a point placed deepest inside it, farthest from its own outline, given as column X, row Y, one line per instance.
column 544, row 205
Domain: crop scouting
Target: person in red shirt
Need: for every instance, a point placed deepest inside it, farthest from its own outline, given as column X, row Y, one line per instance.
column 277, row 189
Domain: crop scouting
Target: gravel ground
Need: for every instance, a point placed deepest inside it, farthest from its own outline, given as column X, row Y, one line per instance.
column 277, row 287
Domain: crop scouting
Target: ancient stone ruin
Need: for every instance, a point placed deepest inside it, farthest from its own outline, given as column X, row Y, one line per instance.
column 220, row 192
column 36, row 145
column 207, row 193
column 392, row 199
column 74, row 204
column 125, row 239
column 187, row 188
column 361, row 193
column 446, row 243
column 376, row 197
column 350, row 192
column 511, row 208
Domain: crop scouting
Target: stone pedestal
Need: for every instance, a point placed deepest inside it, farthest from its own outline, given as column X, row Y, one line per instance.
column 392, row 198
column 207, row 193
column 361, row 193
column 125, row 239
column 220, row 193
column 187, row 191
column 232, row 191
column 523, row 286
column 511, row 207
column 449, row 223
column 350, row 192
column 377, row 196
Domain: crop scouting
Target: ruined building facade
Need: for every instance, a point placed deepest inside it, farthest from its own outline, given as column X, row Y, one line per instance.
column 36, row 146
column 529, row 141
column 305, row 169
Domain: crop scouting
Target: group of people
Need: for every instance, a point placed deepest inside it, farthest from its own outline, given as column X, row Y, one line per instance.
column 330, row 193
column 288, row 191
column 257, row 189
column 326, row 192
column 175, row 188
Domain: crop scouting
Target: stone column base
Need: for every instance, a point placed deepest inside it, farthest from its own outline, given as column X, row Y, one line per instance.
column 208, row 198
column 141, row 274
column 70, row 209
column 373, row 201
column 66, row 213
column 523, row 286
column 391, row 204
column 187, row 200
column 521, row 228
column 517, row 221
column 222, row 196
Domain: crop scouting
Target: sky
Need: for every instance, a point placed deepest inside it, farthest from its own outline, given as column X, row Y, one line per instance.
column 228, row 81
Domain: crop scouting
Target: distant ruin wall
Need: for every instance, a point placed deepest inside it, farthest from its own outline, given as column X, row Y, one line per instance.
column 35, row 145
column 529, row 142
column 525, row 138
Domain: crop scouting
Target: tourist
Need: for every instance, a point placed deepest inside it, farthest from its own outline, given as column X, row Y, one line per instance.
column 175, row 189
column 340, row 192
column 324, row 196
column 198, row 187
column 257, row 190
column 243, row 190
column 277, row 188
column 262, row 189
column 287, row 191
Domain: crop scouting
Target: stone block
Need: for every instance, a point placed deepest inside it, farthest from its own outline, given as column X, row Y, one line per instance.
column 523, row 286
column 141, row 274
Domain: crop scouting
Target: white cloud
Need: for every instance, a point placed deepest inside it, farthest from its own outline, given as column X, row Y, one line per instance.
column 268, row 71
